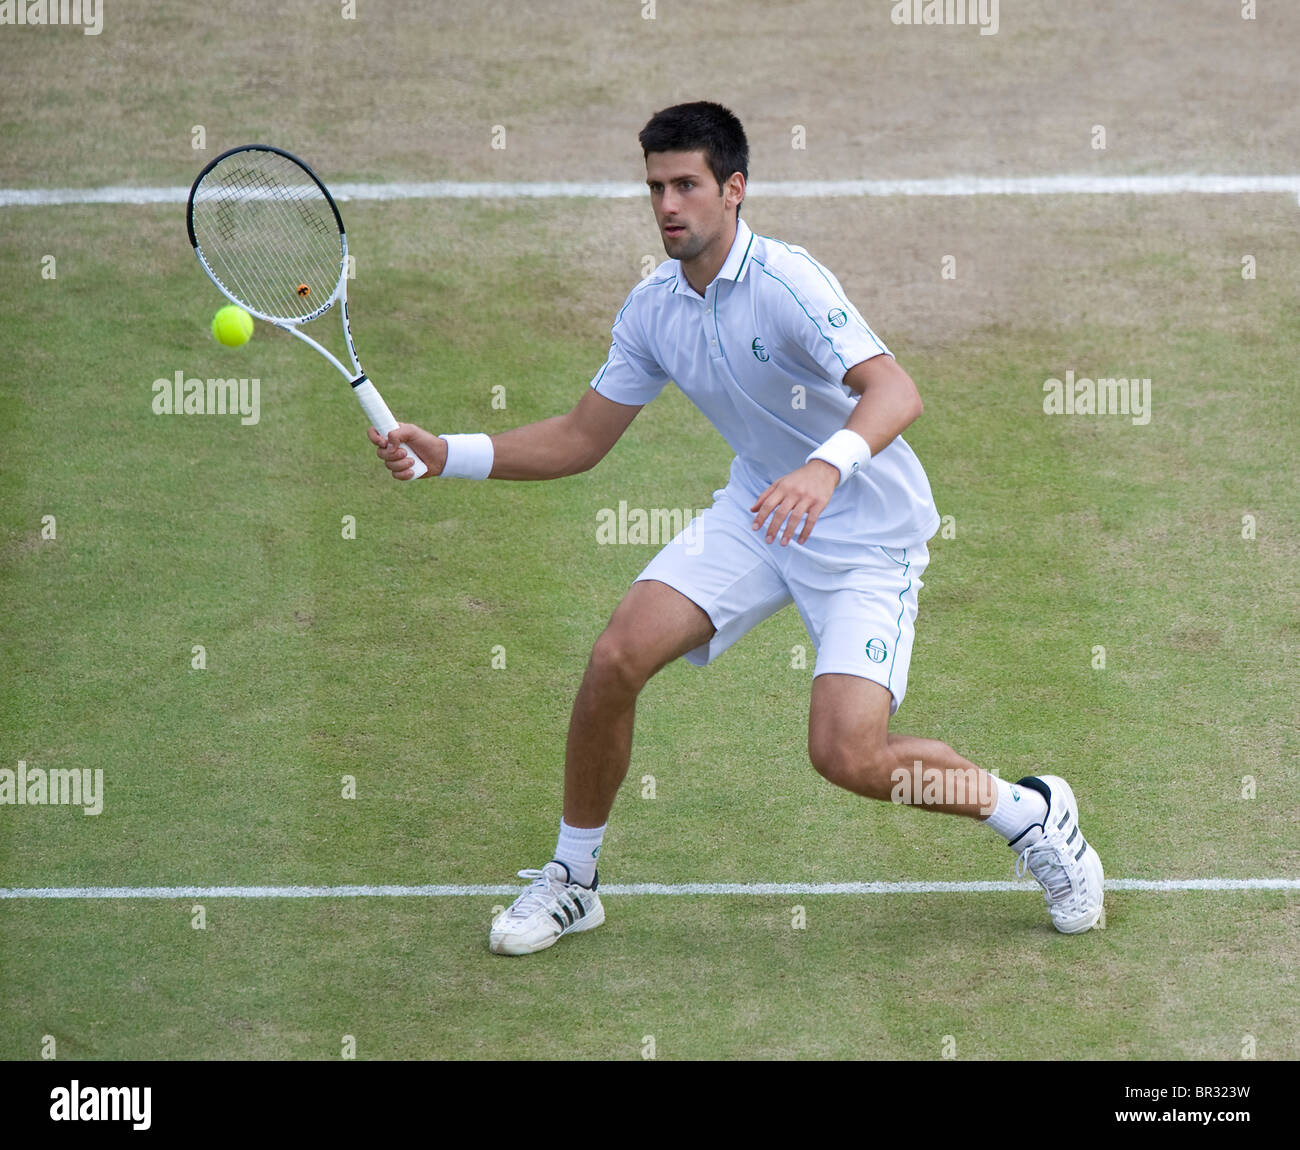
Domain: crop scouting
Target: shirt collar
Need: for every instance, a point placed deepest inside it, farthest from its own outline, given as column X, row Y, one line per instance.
column 736, row 264
column 738, row 258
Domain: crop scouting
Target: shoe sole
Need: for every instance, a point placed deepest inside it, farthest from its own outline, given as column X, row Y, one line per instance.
column 1091, row 860
column 514, row 945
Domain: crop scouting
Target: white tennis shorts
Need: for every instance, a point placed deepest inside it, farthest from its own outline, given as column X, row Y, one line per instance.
column 857, row 601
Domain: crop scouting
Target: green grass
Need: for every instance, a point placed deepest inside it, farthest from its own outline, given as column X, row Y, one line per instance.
column 329, row 657
column 888, row 978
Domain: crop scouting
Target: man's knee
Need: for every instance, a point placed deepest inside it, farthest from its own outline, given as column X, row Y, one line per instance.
column 652, row 626
column 864, row 767
column 617, row 663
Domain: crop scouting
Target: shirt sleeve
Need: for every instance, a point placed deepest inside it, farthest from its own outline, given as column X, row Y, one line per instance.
column 820, row 323
column 631, row 374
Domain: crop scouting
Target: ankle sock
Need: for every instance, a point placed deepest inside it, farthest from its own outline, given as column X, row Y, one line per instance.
column 577, row 849
column 1017, row 810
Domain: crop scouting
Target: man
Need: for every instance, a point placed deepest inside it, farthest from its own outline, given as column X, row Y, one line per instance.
column 764, row 341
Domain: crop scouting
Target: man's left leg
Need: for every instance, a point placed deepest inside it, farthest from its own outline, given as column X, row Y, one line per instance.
column 859, row 604
column 850, row 745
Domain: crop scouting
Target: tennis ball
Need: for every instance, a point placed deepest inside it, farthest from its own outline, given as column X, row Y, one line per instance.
column 232, row 326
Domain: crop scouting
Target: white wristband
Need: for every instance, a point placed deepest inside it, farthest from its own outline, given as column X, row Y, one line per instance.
column 468, row 456
column 846, row 451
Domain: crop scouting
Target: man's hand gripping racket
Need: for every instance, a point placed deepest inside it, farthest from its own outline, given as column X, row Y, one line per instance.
column 406, row 442
column 270, row 235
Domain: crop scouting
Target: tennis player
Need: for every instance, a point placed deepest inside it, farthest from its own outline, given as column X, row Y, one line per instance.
column 826, row 506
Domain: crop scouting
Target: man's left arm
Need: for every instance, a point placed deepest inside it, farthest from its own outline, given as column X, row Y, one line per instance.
column 888, row 402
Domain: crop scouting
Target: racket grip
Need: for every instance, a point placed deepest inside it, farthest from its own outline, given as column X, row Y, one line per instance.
column 381, row 419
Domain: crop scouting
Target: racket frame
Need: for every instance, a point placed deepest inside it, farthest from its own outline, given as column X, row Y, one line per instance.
column 365, row 391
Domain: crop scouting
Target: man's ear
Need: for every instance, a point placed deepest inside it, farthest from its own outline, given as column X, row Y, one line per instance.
column 734, row 190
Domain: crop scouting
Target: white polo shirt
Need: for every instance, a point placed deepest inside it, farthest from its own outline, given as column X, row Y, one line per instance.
column 763, row 354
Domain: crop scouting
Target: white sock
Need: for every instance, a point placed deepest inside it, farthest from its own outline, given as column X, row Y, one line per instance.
column 1017, row 809
column 577, row 849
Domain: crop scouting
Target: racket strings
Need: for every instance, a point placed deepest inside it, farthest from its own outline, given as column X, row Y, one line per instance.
column 268, row 260
column 275, row 246
column 257, row 260
column 277, row 254
column 267, row 231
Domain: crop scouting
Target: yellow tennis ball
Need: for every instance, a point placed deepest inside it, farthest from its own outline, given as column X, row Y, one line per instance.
column 232, row 326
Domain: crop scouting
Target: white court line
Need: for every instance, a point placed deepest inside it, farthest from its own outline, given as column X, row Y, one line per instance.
column 639, row 888
column 777, row 189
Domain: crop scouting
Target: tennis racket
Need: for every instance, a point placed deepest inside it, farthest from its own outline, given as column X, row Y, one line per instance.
column 270, row 235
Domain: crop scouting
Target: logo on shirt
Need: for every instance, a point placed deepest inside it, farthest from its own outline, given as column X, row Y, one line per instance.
column 876, row 650
column 837, row 317
column 760, row 352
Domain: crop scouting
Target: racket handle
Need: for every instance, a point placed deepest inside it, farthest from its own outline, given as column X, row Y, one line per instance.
column 381, row 419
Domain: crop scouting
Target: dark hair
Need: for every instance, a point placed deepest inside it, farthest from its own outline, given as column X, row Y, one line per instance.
column 700, row 127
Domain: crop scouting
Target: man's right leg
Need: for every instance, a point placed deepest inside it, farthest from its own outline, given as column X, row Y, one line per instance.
column 652, row 626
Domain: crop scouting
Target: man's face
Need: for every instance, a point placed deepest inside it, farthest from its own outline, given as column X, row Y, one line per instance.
column 689, row 207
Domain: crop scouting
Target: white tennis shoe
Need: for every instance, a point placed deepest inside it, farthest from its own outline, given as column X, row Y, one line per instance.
column 1062, row 861
column 552, row 906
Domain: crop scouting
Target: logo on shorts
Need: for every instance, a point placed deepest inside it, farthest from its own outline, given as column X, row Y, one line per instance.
column 760, row 352
column 837, row 318
column 876, row 650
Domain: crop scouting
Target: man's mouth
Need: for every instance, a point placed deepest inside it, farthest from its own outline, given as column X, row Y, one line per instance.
column 674, row 229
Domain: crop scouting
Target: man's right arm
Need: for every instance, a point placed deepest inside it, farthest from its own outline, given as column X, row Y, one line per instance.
column 562, row 445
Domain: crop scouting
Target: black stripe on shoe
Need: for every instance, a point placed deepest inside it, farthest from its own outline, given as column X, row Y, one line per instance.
column 559, row 921
column 582, row 910
column 1083, row 846
column 1069, row 840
